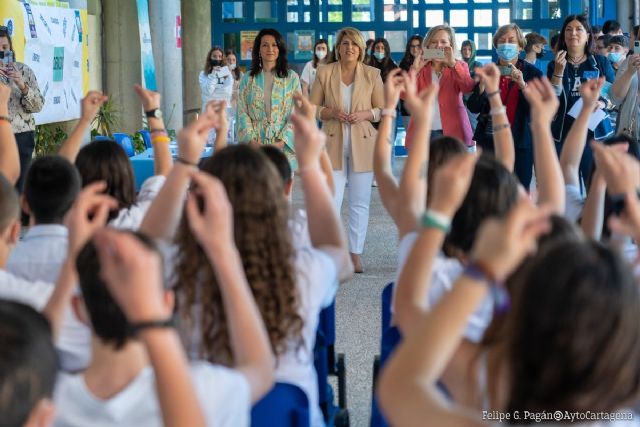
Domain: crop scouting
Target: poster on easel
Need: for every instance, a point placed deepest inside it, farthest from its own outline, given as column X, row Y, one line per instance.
column 146, row 48
column 303, row 47
column 246, row 44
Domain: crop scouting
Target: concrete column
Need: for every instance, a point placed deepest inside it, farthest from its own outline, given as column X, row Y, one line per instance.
column 196, row 42
column 122, row 60
column 168, row 58
column 625, row 15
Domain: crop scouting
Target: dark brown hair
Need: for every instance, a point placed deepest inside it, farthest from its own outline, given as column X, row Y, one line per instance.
column 236, row 71
column 260, row 218
column 573, row 336
column 207, row 65
column 107, row 161
column 282, row 66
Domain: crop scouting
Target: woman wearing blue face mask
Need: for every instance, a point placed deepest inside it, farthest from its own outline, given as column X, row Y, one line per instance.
column 515, row 73
column 381, row 58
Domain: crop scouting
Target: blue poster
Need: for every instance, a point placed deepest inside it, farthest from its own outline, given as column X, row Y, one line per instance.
column 146, row 49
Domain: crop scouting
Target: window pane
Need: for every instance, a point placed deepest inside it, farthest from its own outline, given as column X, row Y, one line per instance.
column 460, row 37
column 459, row 18
column 553, row 10
column 335, row 16
column 433, row 1
column 433, row 18
column 482, row 18
column 266, row 11
column 504, row 17
column 397, row 40
column 523, row 9
column 231, row 42
column 416, row 19
column 292, row 16
column 483, row 41
column 457, row 1
column 482, row 1
column 394, row 13
column 233, row 11
column 307, row 17
column 362, row 11
column 484, row 59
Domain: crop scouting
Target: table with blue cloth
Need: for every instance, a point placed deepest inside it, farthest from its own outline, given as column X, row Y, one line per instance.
column 142, row 163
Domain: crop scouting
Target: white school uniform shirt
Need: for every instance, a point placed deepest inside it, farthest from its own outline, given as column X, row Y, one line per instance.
column 308, row 75
column 574, row 203
column 444, row 274
column 216, row 86
column 39, row 257
column 436, row 122
column 317, row 283
column 224, row 395
column 31, row 293
column 131, row 218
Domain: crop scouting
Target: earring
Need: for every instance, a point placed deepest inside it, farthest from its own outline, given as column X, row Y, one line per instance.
column 260, row 60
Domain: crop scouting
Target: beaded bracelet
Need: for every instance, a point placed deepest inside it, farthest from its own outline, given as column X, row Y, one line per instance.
column 186, row 162
column 160, row 139
column 433, row 219
column 498, row 128
column 498, row 110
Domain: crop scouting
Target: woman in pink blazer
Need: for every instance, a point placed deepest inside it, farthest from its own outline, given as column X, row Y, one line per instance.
column 450, row 115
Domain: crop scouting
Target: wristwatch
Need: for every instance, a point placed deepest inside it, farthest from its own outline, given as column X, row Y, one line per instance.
column 155, row 113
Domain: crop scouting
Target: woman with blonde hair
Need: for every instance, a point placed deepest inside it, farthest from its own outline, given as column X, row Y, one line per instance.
column 350, row 96
column 452, row 75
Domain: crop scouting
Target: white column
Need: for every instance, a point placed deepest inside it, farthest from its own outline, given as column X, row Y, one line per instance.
column 168, row 58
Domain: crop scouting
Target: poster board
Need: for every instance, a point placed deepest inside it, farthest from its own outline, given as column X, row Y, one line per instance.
column 52, row 41
column 246, row 43
column 303, row 46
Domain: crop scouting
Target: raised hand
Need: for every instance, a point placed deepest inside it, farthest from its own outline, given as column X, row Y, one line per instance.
column 451, row 182
column 542, row 99
column 620, row 170
column 628, row 223
column 193, row 138
column 133, row 275
column 517, row 76
column 309, row 141
column 88, row 213
column 150, row 100
column 501, row 245
column 392, row 88
column 634, row 64
column 304, row 107
column 420, row 104
column 590, row 91
column 91, row 104
column 212, row 223
column 489, row 76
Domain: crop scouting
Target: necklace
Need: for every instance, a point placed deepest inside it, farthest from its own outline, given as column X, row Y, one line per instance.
column 576, row 60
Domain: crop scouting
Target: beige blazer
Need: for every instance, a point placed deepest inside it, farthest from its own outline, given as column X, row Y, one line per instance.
column 368, row 94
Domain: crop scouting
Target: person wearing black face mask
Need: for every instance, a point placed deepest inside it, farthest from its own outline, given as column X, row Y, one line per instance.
column 534, row 49
column 216, row 84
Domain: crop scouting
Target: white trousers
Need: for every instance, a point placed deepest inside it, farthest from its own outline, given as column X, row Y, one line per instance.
column 359, row 201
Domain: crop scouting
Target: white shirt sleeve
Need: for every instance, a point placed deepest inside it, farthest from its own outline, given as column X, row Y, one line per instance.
column 35, row 294
column 321, row 274
column 224, row 394
column 305, row 77
column 574, row 203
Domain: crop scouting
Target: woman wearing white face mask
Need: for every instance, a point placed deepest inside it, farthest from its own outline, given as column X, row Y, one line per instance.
column 232, row 63
column 308, row 76
column 515, row 73
column 216, row 84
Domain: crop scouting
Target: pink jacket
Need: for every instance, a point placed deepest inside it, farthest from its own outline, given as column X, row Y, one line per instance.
column 453, row 114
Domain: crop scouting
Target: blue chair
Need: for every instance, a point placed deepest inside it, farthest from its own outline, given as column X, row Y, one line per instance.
column 146, row 137
column 102, row 138
column 326, row 363
column 390, row 339
column 286, row 405
column 126, row 143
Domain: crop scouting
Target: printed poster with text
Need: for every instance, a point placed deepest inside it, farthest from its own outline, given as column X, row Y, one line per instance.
column 54, row 51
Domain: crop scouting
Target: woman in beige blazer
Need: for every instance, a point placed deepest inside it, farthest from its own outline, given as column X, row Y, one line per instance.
column 350, row 96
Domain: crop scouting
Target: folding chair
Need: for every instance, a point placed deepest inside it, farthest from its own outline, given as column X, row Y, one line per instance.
column 286, row 405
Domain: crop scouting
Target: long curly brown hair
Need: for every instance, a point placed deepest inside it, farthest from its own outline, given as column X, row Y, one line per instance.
column 260, row 215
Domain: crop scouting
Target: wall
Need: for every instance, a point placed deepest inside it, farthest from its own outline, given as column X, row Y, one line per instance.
column 196, row 39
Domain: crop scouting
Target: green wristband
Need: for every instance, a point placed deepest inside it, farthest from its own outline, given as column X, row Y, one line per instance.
column 431, row 219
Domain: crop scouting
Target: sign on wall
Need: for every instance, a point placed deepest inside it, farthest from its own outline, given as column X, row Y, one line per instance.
column 54, row 51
